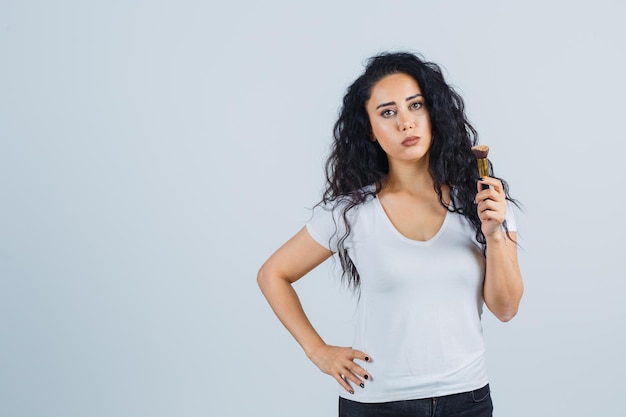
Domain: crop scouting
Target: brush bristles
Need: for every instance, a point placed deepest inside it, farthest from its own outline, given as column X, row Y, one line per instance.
column 480, row 151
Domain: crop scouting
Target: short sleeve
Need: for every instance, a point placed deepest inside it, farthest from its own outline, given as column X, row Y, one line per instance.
column 510, row 218
column 323, row 226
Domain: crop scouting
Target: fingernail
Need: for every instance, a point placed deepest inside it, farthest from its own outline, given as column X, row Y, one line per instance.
column 367, row 359
column 351, row 392
column 362, row 385
column 366, row 376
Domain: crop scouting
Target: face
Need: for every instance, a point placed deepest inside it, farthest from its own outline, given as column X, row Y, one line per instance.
column 399, row 118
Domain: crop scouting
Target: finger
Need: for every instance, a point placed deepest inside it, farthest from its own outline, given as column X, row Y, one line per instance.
column 490, row 197
column 491, row 205
column 342, row 381
column 357, row 375
column 492, row 182
column 357, row 354
column 483, row 189
column 488, row 211
column 485, row 206
column 491, row 213
column 492, row 223
column 494, row 186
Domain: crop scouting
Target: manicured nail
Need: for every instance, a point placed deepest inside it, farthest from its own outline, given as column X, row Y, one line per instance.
column 362, row 385
column 367, row 359
column 351, row 392
column 366, row 376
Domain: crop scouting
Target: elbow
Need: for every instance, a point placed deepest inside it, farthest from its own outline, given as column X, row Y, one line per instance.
column 267, row 279
column 504, row 307
column 261, row 278
column 506, row 313
column 506, row 317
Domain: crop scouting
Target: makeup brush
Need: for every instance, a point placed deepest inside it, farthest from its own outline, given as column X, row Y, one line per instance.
column 481, row 152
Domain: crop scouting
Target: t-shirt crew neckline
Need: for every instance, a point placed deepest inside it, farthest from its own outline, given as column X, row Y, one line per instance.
column 383, row 213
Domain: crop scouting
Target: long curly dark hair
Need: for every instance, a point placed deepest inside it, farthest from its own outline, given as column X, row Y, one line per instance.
column 356, row 161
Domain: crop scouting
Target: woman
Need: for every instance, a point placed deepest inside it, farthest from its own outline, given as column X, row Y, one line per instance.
column 423, row 240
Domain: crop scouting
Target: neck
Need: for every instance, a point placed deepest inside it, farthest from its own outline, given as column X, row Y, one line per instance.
column 412, row 177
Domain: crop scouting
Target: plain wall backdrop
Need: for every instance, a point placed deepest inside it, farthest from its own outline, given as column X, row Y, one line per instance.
column 154, row 153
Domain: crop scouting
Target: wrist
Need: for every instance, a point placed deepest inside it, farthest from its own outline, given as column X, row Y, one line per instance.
column 496, row 237
column 311, row 350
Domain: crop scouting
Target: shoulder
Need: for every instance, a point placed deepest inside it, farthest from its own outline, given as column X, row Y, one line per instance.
column 349, row 201
column 335, row 214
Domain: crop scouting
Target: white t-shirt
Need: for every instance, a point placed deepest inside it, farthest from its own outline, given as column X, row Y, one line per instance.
column 420, row 303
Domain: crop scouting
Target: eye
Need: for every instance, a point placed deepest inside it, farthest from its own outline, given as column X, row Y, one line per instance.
column 417, row 105
column 387, row 113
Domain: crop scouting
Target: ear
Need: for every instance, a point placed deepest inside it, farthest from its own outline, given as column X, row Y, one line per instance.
column 372, row 137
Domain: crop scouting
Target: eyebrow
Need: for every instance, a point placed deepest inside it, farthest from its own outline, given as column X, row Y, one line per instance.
column 393, row 102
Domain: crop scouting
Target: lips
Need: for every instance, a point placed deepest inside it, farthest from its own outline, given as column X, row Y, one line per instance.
column 410, row 141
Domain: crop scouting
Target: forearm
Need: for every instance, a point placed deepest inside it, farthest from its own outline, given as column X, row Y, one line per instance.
column 332, row 360
column 503, row 285
column 285, row 303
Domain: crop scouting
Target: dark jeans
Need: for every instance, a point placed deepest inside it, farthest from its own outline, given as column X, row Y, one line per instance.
column 475, row 403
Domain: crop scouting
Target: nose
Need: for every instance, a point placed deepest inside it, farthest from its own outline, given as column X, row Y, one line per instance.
column 406, row 122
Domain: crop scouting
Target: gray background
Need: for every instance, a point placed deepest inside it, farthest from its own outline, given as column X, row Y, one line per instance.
column 154, row 153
